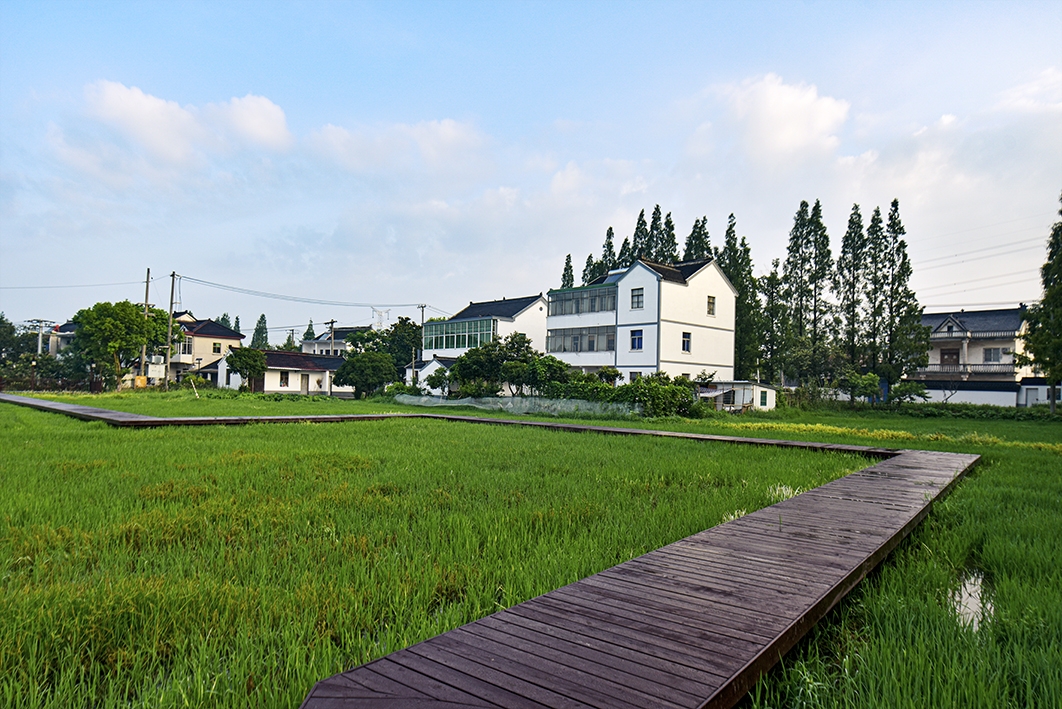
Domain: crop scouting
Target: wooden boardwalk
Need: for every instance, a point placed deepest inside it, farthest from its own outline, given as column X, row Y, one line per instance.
column 692, row 624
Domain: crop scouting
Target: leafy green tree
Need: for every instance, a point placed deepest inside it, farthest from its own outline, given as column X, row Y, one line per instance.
column 796, row 291
column 439, row 380
column 111, row 335
column 568, row 277
column 667, row 247
column 589, row 270
column 698, row 243
column 365, row 340
column 609, row 375
column 849, row 286
column 15, row 341
column 875, row 291
column 309, row 334
column 608, row 252
column 290, row 345
column 625, row 257
column 236, row 325
column 1043, row 338
column 656, row 235
column 249, row 363
column 821, row 319
column 223, row 320
column 260, row 338
column 401, row 341
column 776, row 324
column 735, row 260
column 366, row 372
column 640, row 240
column 906, row 339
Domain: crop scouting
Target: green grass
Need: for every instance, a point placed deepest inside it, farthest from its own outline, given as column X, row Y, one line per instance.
column 235, row 566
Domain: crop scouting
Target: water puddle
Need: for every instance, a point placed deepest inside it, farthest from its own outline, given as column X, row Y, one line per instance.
column 971, row 602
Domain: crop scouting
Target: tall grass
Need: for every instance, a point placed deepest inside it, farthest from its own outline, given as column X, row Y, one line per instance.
column 236, row 566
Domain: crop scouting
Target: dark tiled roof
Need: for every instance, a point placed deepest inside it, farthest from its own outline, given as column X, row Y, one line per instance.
column 209, row 328
column 342, row 333
column 444, row 361
column 66, row 328
column 680, row 272
column 504, row 308
column 276, row 359
column 1003, row 320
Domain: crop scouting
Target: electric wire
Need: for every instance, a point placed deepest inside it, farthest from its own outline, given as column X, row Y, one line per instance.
column 295, row 298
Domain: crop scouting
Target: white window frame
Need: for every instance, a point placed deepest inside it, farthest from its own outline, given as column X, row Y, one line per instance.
column 711, row 306
column 638, row 293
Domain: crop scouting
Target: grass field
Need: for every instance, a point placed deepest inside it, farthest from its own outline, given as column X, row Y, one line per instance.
column 235, row 566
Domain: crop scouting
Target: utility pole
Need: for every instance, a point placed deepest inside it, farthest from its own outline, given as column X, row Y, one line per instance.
column 143, row 347
column 332, row 349
column 40, row 323
column 169, row 329
column 413, row 376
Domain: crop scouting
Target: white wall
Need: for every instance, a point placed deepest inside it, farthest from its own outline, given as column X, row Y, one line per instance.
column 997, row 398
column 531, row 322
column 684, row 308
column 318, row 382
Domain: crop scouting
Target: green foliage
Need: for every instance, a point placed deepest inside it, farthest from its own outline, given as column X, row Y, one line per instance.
column 656, row 394
column 775, row 317
column 699, row 242
column 568, row 276
column 196, row 382
column 110, row 335
column 625, row 257
column 1043, row 340
column 667, row 247
column 907, row 390
column 736, row 263
column 223, row 320
column 260, row 338
column 236, row 325
column 309, row 334
column 849, row 285
column 609, row 375
column 366, row 372
column 290, row 345
column 395, row 388
column 439, row 380
column 249, row 363
column 640, row 242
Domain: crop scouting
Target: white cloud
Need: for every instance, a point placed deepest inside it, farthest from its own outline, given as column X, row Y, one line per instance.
column 168, row 131
column 1042, row 94
column 786, row 121
column 255, row 119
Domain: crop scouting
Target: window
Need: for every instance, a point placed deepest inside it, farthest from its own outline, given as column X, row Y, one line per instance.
column 992, row 354
column 763, row 399
column 578, row 339
column 466, row 333
column 949, row 356
column 686, row 342
column 637, row 300
column 636, row 340
column 636, row 376
column 951, row 329
column 583, row 300
column 186, row 346
column 216, row 348
column 283, row 379
column 711, row 305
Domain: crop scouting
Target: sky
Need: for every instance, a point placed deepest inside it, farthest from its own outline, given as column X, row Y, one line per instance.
column 393, row 154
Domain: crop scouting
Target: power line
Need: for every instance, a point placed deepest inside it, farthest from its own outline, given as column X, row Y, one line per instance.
column 977, row 280
column 294, row 298
column 987, row 248
column 994, row 285
column 86, row 285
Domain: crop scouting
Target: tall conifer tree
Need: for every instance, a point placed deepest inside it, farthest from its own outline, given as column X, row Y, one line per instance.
column 624, row 258
column 589, row 270
column 667, row 251
column 698, row 243
column 608, row 251
column 568, row 276
column 849, row 287
column 640, row 240
column 656, row 235
column 776, row 325
column 821, row 309
column 236, row 325
column 224, row 321
column 735, row 260
column 875, row 288
column 906, row 339
column 309, row 334
column 260, row 338
column 1043, row 340
column 796, row 291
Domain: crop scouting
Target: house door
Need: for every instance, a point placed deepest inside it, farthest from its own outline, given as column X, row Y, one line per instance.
column 949, row 356
column 304, row 383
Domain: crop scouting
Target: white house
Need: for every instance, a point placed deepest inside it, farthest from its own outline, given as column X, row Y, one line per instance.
column 477, row 324
column 739, row 395
column 331, row 342
column 205, row 343
column 973, row 359
column 300, row 373
column 647, row 318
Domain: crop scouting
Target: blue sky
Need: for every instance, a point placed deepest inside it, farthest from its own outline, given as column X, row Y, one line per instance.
column 441, row 153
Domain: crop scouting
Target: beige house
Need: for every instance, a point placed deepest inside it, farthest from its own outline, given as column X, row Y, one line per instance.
column 205, row 343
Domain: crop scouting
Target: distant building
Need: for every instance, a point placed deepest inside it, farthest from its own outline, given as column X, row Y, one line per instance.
column 205, row 342
column 60, row 337
column 300, row 373
column 647, row 318
column 331, row 343
column 972, row 359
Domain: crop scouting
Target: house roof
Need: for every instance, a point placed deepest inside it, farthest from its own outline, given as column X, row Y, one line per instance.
column 342, row 333
column 209, row 328
column 504, row 308
column 66, row 328
column 279, row 359
column 444, row 361
column 1001, row 320
column 679, row 272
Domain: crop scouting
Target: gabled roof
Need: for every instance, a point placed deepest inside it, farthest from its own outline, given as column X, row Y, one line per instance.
column 504, row 308
column 341, row 333
column 1001, row 320
column 678, row 273
column 209, row 328
column 446, row 362
column 279, row 359
column 66, row 328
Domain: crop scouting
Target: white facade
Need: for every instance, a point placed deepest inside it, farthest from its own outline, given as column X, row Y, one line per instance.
column 648, row 318
column 739, row 395
column 479, row 322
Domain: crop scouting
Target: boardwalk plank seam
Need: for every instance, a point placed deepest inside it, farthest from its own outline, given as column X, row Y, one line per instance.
column 726, row 603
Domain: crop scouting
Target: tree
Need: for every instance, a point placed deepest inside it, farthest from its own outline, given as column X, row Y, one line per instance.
column 402, row 341
column 698, row 243
column 236, row 325
column 624, row 259
column 819, row 282
column 224, row 320
column 1043, row 338
column 568, row 277
column 849, row 286
column 248, row 363
column 439, row 380
column 111, row 335
column 640, row 240
column 776, row 325
column 655, row 239
column 608, row 252
column 796, row 291
column 875, row 287
column 589, row 270
column 735, row 260
column 290, row 345
column 309, row 334
column 260, row 338
column 609, row 375
column 906, row 339
column 366, row 372
column 667, row 248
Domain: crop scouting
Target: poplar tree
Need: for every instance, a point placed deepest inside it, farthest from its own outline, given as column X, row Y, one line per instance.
column 236, row 325
column 260, row 338
column 776, row 325
column 735, row 260
column 624, row 259
column 906, row 339
column 698, row 243
column 309, row 334
column 1043, row 339
column 875, row 287
column 849, row 286
column 224, row 321
column 568, row 277
column 589, row 270
column 656, row 235
column 667, row 248
column 819, row 283
column 640, row 240
column 796, row 291
column 608, row 252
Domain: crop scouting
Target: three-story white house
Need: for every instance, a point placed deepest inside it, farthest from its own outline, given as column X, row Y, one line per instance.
column 647, row 318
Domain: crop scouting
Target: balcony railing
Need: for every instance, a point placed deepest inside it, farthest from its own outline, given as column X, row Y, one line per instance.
column 974, row 335
column 995, row 368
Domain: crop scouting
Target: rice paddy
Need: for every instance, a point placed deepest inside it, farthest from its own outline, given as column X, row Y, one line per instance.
column 221, row 567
